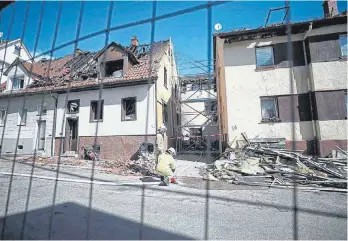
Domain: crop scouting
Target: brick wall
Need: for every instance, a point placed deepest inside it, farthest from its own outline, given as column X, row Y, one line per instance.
column 118, row 148
column 56, row 146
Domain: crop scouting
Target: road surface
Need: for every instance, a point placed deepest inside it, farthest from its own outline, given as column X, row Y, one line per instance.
column 152, row 212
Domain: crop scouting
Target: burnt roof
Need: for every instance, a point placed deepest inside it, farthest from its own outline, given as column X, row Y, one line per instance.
column 281, row 29
column 55, row 73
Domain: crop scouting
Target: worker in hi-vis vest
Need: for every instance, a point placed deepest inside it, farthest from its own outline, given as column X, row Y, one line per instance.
column 166, row 167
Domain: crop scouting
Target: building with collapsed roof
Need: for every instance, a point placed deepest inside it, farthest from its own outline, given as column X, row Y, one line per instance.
column 61, row 100
column 257, row 97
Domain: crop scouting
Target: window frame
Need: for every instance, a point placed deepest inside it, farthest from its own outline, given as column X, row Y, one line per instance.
column 101, row 111
column 165, row 76
column 17, row 50
column 39, row 110
column 19, row 77
column 105, row 64
column 165, row 117
column 75, row 100
column 339, row 40
column 264, row 47
column 2, row 117
column 275, row 98
column 20, row 117
column 123, row 111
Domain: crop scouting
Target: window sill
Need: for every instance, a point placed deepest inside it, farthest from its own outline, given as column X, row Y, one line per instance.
column 129, row 120
column 21, row 125
column 269, row 121
column 95, row 121
column 264, row 68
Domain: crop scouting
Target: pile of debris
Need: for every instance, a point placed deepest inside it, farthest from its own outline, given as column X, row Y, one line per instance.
column 145, row 164
column 262, row 166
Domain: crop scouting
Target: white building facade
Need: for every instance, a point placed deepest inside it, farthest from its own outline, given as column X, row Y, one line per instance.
column 258, row 98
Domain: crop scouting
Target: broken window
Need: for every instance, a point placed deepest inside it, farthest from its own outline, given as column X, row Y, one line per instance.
column 269, row 108
column 264, row 56
column 22, row 117
column 114, row 68
column 195, row 132
column 164, row 112
column 210, row 106
column 343, row 45
column 73, row 106
column 2, row 117
column 129, row 109
column 17, row 82
column 95, row 113
column 41, row 110
column 165, row 77
column 17, row 50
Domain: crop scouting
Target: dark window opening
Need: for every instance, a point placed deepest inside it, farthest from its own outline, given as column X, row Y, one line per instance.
column 41, row 110
column 17, row 50
column 195, row 132
column 114, row 68
column 210, row 106
column 73, row 106
column 20, row 147
column 96, row 114
column 129, row 109
column 164, row 112
column 165, row 77
column 269, row 109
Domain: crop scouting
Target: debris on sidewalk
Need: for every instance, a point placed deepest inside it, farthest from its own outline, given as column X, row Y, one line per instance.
column 146, row 162
column 255, row 164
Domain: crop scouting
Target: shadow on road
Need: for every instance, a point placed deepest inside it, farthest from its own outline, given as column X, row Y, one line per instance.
column 70, row 222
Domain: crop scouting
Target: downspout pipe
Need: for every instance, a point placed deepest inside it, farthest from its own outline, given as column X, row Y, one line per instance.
column 310, row 90
column 54, row 122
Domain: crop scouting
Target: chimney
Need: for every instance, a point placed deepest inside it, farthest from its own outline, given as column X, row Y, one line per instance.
column 134, row 41
column 330, row 8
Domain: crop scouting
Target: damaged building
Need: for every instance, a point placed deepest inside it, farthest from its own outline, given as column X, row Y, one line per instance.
column 255, row 92
column 62, row 107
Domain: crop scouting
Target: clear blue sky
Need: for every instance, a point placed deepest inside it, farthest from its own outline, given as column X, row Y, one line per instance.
column 188, row 32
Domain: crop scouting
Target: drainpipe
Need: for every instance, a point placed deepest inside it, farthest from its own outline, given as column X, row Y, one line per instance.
column 311, row 90
column 54, row 123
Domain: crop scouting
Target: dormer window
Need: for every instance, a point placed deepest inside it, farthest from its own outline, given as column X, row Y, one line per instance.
column 18, row 82
column 114, row 68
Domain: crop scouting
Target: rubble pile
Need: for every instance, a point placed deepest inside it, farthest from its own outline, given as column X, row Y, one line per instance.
column 262, row 166
column 145, row 164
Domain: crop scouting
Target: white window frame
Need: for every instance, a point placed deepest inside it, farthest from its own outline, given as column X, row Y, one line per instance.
column 342, row 36
column 17, row 77
column 2, row 117
column 264, row 47
column 275, row 99
column 20, row 117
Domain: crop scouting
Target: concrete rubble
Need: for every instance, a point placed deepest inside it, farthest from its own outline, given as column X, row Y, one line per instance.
column 262, row 166
column 145, row 164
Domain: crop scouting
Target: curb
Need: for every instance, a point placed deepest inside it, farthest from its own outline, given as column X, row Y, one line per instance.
column 79, row 181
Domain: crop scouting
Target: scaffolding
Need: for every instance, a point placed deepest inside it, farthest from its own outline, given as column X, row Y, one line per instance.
column 198, row 128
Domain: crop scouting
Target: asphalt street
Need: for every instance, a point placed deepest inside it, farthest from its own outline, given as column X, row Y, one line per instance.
column 73, row 210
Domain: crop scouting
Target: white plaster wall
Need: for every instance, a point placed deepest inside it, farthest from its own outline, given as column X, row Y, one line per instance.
column 329, row 75
column 112, row 124
column 28, row 131
column 333, row 130
column 244, row 86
